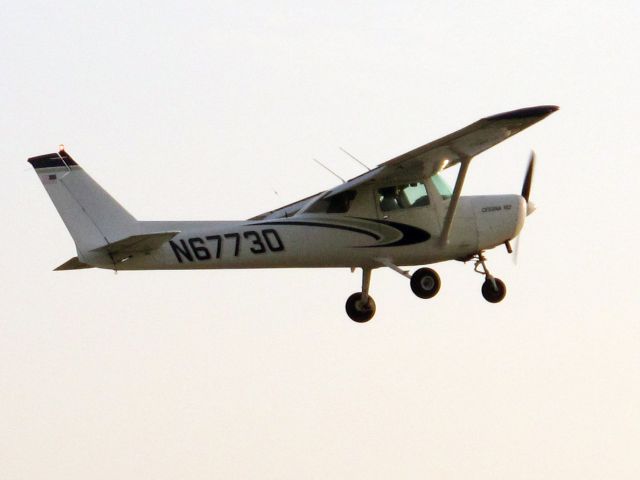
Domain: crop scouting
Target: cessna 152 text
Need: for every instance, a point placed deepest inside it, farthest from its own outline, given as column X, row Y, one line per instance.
column 400, row 213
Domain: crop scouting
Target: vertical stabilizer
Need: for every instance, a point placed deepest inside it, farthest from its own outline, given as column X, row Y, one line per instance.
column 92, row 216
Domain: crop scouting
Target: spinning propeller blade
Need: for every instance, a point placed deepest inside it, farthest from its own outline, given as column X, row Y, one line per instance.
column 516, row 251
column 526, row 185
column 526, row 192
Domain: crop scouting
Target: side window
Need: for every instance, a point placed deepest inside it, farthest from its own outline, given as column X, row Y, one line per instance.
column 403, row 196
column 338, row 203
column 388, row 197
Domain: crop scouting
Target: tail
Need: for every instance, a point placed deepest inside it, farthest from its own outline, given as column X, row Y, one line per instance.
column 92, row 216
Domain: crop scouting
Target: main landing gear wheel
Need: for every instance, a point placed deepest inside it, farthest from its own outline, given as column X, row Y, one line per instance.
column 358, row 310
column 425, row 283
column 360, row 306
column 494, row 293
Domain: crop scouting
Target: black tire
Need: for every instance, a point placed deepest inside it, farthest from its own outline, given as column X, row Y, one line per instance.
column 359, row 312
column 490, row 293
column 425, row 283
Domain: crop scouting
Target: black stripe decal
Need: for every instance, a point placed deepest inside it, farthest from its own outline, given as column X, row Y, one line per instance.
column 410, row 234
column 324, row 225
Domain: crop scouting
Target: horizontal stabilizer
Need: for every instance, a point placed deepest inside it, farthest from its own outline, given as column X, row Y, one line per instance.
column 143, row 243
column 72, row 264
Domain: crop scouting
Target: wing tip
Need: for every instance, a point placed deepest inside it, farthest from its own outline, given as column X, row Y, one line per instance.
column 538, row 112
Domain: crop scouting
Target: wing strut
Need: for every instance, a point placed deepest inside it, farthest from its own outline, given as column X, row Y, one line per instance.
column 448, row 219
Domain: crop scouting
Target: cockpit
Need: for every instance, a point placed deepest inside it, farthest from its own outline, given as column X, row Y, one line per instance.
column 403, row 196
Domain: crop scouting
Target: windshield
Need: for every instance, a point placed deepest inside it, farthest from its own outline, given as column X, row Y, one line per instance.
column 442, row 186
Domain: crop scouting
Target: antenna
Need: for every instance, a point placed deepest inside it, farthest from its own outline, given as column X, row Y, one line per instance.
column 60, row 152
column 352, row 156
column 329, row 170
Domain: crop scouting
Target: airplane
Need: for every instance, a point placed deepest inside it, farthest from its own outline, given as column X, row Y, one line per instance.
column 400, row 213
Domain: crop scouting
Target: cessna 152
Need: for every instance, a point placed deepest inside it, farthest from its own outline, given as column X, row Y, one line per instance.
column 398, row 214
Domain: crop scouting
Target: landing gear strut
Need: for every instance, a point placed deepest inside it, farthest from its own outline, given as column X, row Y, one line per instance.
column 360, row 306
column 493, row 289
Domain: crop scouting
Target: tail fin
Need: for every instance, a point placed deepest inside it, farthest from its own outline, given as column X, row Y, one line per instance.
column 91, row 215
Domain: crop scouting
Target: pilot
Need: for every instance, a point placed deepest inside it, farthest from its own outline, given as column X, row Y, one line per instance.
column 389, row 200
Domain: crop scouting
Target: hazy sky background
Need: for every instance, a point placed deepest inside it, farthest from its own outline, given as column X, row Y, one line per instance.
column 201, row 110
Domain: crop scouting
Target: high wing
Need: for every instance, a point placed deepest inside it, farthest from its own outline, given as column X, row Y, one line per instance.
column 451, row 149
column 424, row 161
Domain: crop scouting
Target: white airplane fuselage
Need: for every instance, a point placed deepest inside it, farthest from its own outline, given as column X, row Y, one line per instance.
column 402, row 237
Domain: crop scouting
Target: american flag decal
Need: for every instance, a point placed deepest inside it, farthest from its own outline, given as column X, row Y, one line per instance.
column 49, row 179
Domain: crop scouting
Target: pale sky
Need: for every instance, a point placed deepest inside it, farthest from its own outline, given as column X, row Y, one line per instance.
column 201, row 111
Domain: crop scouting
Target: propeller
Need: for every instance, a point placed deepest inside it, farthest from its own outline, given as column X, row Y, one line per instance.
column 526, row 185
column 526, row 192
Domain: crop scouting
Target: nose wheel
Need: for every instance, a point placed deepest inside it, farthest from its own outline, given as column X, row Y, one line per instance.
column 493, row 289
